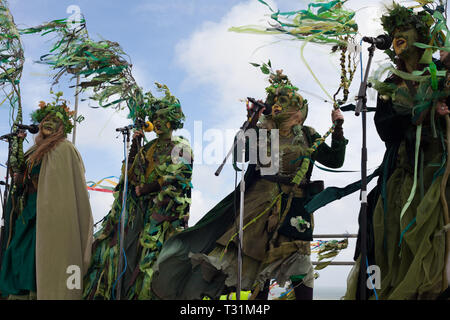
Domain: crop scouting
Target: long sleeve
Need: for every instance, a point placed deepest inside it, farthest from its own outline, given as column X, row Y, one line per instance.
column 332, row 157
column 390, row 126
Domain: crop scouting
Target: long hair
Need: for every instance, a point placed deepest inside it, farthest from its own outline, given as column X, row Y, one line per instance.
column 46, row 144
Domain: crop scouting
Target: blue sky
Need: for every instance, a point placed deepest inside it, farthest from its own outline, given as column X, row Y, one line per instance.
column 186, row 45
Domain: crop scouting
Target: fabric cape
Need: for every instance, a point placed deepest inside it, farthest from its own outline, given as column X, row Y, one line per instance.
column 64, row 230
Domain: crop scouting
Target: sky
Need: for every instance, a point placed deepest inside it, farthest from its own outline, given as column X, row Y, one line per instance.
column 186, row 45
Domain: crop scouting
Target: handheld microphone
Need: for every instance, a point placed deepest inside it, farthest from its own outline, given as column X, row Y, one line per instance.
column 261, row 105
column 382, row 42
column 31, row 128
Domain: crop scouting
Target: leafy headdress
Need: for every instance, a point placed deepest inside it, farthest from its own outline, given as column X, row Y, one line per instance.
column 59, row 109
column 168, row 103
column 428, row 23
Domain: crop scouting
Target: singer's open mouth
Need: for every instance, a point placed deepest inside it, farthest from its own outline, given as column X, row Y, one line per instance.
column 277, row 109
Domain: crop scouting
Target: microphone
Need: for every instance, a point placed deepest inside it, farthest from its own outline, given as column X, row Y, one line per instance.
column 382, row 42
column 8, row 136
column 139, row 124
column 125, row 129
column 261, row 105
column 31, row 128
column 146, row 125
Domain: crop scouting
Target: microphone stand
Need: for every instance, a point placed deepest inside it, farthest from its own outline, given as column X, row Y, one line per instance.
column 240, row 136
column 126, row 141
column 7, row 138
column 361, row 107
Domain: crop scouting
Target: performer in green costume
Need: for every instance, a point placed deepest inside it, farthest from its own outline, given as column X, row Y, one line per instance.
column 158, row 201
column 49, row 222
column 202, row 260
column 408, row 209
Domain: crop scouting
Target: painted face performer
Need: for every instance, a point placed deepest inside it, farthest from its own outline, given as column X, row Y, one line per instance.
column 202, row 260
column 409, row 202
column 158, row 201
column 49, row 221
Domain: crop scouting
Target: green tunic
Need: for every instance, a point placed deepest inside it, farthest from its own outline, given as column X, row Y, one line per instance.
column 18, row 270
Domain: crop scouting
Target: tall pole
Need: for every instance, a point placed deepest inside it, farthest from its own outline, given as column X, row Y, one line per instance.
column 241, row 222
column 74, row 135
column 361, row 107
column 126, row 141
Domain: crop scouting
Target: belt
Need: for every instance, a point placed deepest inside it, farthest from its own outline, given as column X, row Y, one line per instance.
column 280, row 179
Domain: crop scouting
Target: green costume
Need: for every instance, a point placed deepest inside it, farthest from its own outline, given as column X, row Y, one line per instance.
column 202, row 260
column 408, row 216
column 18, row 276
column 164, row 167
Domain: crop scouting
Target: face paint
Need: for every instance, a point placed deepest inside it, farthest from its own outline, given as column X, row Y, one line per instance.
column 404, row 40
column 162, row 126
column 280, row 108
column 49, row 125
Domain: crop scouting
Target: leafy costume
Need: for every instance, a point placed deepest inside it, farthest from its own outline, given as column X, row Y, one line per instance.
column 165, row 167
column 48, row 223
column 406, row 216
column 201, row 261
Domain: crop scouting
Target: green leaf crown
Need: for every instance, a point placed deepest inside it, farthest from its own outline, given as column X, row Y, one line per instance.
column 58, row 108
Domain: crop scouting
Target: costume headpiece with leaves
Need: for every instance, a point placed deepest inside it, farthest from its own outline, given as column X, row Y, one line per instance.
column 399, row 17
column 168, row 103
column 59, row 109
column 280, row 85
column 429, row 24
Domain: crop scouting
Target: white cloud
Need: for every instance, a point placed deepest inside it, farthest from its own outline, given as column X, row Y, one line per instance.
column 100, row 204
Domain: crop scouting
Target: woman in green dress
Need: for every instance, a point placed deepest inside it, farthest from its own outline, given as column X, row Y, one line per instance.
column 48, row 217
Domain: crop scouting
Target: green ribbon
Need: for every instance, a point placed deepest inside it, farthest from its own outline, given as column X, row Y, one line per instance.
column 416, row 160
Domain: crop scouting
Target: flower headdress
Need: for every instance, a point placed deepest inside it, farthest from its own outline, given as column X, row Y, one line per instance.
column 58, row 108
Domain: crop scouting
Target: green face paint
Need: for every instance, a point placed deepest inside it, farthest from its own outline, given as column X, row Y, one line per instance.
column 280, row 108
column 50, row 124
column 286, row 105
column 404, row 40
column 162, row 125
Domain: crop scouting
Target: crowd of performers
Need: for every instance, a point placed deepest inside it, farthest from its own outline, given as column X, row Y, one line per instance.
column 49, row 225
